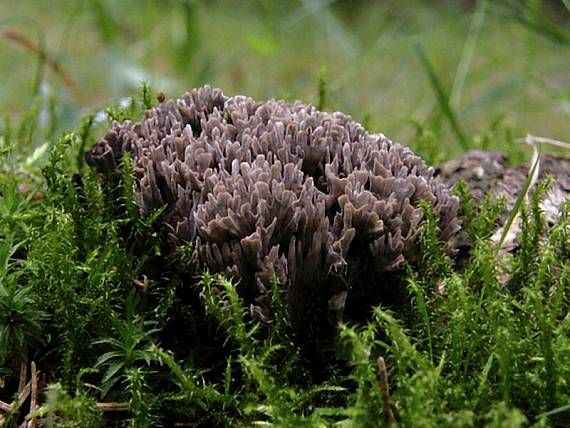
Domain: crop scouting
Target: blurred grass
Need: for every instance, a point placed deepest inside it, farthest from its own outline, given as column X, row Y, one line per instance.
column 518, row 75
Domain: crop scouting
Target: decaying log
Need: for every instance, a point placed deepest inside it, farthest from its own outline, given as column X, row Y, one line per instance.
column 489, row 172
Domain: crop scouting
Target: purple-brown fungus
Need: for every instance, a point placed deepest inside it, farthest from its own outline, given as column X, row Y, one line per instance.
column 271, row 188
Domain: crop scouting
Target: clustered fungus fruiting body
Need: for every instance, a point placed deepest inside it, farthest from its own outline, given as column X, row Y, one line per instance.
column 268, row 189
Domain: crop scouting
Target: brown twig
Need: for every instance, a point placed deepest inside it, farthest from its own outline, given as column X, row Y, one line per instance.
column 23, row 375
column 22, row 396
column 25, row 390
column 5, row 407
column 390, row 410
column 113, row 407
column 26, row 43
column 34, row 396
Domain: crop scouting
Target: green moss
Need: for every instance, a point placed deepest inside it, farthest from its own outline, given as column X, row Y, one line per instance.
column 91, row 293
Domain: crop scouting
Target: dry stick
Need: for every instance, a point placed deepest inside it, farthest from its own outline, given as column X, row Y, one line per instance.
column 15, row 405
column 34, row 397
column 23, row 375
column 26, row 43
column 388, row 405
column 533, row 139
column 5, row 407
column 113, row 407
column 23, row 396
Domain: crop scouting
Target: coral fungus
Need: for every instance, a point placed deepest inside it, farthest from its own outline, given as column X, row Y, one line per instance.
column 270, row 188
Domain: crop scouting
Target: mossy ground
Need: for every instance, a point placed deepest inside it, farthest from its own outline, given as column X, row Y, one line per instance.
column 108, row 312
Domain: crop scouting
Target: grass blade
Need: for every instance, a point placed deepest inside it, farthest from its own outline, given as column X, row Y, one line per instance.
column 423, row 311
column 443, row 99
column 322, row 88
column 467, row 54
column 534, row 20
column 522, row 196
column 44, row 59
column 557, row 411
column 105, row 22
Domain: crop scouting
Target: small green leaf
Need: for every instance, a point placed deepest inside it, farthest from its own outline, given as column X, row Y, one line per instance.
column 112, row 371
column 106, row 357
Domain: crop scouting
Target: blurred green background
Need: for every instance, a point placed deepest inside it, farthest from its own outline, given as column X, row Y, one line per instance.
column 502, row 67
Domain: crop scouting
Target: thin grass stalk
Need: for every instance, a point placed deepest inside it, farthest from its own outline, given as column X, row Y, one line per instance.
column 44, row 59
column 84, row 134
column 423, row 310
column 553, row 412
column 483, row 379
column 531, row 178
column 26, row 43
column 532, row 19
column 443, row 99
column 105, row 22
column 322, row 88
column 467, row 54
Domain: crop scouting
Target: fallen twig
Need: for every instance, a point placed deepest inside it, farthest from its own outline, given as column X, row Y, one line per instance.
column 113, row 407
column 34, row 396
column 5, row 407
column 22, row 396
column 23, row 375
column 390, row 410
column 25, row 390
